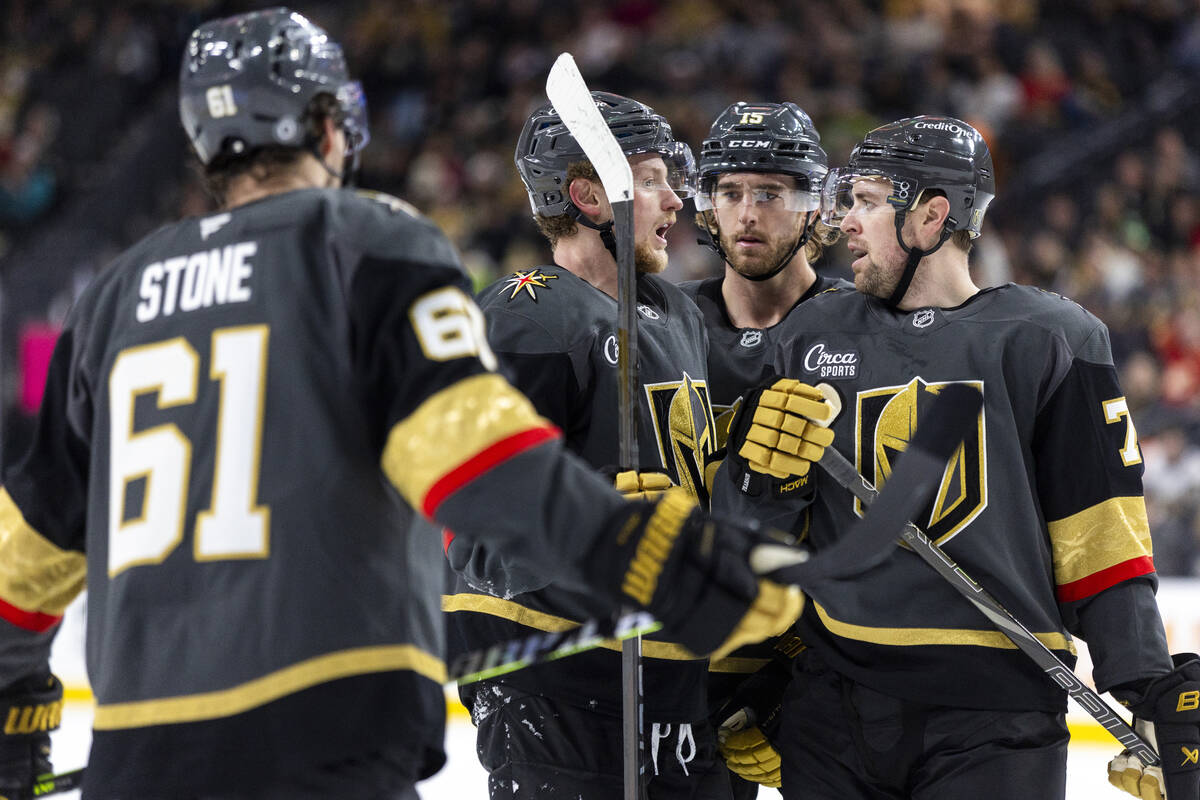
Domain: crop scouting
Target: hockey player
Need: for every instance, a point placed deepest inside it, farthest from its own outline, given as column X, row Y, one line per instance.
column 555, row 730
column 241, row 416
column 905, row 690
column 761, row 170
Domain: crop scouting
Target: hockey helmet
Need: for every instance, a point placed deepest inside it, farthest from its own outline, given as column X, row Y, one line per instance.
column 546, row 149
column 917, row 154
column 246, row 82
column 765, row 137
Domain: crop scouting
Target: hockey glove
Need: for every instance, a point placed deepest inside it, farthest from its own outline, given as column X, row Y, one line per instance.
column 30, row 710
column 641, row 485
column 779, row 432
column 751, row 720
column 1167, row 715
column 693, row 573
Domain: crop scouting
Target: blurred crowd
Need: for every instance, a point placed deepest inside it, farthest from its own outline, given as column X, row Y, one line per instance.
column 1085, row 104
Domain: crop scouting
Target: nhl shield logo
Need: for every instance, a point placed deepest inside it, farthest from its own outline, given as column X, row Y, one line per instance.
column 751, row 338
column 646, row 311
column 886, row 421
column 924, row 318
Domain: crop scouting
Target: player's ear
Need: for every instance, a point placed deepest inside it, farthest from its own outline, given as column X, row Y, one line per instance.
column 587, row 196
column 933, row 213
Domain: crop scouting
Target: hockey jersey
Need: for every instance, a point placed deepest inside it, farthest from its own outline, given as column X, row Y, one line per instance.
column 1042, row 504
column 557, row 335
column 241, row 414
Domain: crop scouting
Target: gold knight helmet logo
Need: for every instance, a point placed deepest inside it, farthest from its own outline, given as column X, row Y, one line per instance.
column 684, row 427
column 887, row 419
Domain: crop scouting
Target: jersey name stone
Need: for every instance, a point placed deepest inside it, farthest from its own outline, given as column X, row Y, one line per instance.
column 199, row 280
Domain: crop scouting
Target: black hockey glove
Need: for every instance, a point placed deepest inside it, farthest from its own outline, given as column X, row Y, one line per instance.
column 693, row 573
column 1166, row 714
column 30, row 710
column 750, row 721
column 776, row 435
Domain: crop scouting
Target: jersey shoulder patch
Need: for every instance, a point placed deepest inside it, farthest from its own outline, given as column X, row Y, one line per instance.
column 525, row 285
column 390, row 202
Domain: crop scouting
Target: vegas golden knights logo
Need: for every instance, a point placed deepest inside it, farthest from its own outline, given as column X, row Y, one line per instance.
column 887, row 419
column 683, row 425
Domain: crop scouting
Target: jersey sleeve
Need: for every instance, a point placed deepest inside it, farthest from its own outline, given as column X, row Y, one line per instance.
column 1089, row 478
column 458, row 441
column 42, row 510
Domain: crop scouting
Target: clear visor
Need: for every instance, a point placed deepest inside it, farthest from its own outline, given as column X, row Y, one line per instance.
column 681, row 170
column 726, row 194
column 838, row 193
column 354, row 104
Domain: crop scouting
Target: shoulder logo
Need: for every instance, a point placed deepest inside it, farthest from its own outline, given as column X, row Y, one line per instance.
column 647, row 312
column 394, row 204
column 924, row 318
column 751, row 338
column 526, row 282
column 822, row 362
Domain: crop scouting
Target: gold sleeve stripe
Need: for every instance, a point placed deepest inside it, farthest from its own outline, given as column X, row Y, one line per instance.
column 736, row 665
column 270, row 687
column 917, row 637
column 38, row 579
column 539, row 620
column 456, row 435
column 1100, row 546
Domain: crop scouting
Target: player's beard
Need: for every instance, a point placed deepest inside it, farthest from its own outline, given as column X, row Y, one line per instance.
column 878, row 280
column 649, row 260
column 752, row 266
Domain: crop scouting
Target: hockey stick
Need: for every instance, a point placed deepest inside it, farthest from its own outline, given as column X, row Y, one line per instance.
column 46, row 785
column 842, row 471
column 573, row 102
column 918, row 473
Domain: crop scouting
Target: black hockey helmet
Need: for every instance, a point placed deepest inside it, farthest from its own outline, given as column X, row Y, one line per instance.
column 246, row 82
column 546, row 148
column 917, row 154
column 765, row 137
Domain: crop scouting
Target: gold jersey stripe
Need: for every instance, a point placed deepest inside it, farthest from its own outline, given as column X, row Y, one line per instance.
column 270, row 687
column 917, row 637
column 1099, row 537
column 451, row 427
column 36, row 575
column 539, row 620
column 736, row 665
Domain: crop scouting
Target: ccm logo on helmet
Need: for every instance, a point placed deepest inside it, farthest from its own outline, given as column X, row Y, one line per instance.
column 941, row 126
column 751, row 143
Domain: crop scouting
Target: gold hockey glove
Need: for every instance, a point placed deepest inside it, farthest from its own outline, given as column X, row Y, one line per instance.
column 641, row 485
column 778, row 432
column 1167, row 715
column 751, row 719
column 693, row 573
column 29, row 711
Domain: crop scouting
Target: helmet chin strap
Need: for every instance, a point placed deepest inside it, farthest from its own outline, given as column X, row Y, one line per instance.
column 606, row 229
column 915, row 254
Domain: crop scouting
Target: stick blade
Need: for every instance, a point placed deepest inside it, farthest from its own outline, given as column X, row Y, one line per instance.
column 573, row 101
column 919, row 470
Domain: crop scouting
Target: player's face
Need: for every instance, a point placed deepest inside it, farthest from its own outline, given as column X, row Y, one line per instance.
column 654, row 207
column 757, row 225
column 870, row 228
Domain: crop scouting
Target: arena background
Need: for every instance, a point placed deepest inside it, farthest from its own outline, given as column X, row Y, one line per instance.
column 1089, row 106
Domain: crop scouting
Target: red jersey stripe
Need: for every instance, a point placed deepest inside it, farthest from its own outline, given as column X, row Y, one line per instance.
column 484, row 460
column 29, row 620
column 1099, row 581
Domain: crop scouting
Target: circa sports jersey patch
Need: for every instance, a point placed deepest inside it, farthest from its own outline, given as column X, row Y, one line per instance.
column 825, row 362
column 526, row 282
column 886, row 419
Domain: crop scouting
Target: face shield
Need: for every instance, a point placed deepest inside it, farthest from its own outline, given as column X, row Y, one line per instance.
column 353, row 103
column 837, row 195
column 726, row 193
column 681, row 171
